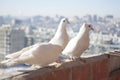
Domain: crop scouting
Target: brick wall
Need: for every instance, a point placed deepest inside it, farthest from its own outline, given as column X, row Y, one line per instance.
column 100, row 67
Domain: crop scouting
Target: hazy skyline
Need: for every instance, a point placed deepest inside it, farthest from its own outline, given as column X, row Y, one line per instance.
column 60, row 7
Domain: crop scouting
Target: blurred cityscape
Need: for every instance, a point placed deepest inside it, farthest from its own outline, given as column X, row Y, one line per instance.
column 17, row 33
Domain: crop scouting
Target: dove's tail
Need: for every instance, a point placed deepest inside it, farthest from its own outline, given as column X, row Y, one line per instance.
column 9, row 63
column 17, row 54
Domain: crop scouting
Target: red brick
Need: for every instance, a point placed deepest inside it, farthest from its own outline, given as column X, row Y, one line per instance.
column 100, row 69
column 34, row 78
column 115, row 78
column 115, row 75
column 63, row 74
column 81, row 72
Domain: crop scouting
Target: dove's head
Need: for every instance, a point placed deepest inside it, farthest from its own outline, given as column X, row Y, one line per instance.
column 88, row 26
column 64, row 21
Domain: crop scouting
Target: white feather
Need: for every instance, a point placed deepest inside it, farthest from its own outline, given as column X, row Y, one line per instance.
column 77, row 45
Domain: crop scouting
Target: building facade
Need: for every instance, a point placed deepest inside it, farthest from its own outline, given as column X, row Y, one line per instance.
column 11, row 40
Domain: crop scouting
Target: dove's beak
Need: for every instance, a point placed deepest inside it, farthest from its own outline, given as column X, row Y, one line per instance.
column 92, row 28
column 68, row 21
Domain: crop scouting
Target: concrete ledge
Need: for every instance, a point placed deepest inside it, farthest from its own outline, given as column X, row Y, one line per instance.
column 98, row 67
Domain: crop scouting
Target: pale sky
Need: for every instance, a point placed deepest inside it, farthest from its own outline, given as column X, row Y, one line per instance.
column 60, row 7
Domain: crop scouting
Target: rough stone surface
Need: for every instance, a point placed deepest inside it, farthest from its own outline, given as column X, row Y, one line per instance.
column 100, row 67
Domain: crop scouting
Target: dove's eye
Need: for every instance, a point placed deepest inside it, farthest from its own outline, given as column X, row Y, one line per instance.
column 63, row 20
column 89, row 25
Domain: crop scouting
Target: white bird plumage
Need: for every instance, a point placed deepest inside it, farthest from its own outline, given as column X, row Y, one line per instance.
column 77, row 45
column 18, row 53
column 41, row 54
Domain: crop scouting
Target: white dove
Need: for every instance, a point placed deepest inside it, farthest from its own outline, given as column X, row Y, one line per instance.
column 44, row 53
column 77, row 45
